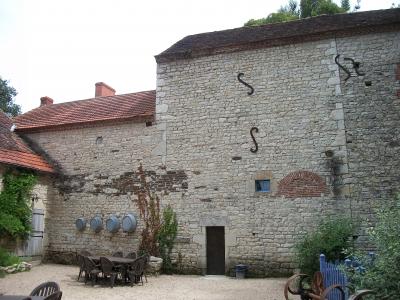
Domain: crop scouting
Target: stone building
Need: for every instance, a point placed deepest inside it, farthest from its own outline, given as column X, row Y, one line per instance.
column 252, row 136
column 17, row 155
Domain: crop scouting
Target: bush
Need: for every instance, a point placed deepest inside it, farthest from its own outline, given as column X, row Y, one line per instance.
column 383, row 274
column 331, row 238
column 7, row 259
column 166, row 238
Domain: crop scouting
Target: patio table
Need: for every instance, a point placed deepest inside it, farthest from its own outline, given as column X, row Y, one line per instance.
column 114, row 259
column 20, row 297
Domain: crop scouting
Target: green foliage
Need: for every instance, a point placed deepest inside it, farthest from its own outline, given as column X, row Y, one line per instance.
column 331, row 237
column 286, row 13
column 311, row 8
column 15, row 210
column 307, row 8
column 272, row 18
column 166, row 238
column 7, row 93
column 383, row 274
column 345, row 4
column 7, row 259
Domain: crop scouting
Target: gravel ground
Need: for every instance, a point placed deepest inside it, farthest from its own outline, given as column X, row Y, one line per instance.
column 172, row 287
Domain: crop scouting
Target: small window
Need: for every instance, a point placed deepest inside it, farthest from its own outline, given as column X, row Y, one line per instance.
column 263, row 185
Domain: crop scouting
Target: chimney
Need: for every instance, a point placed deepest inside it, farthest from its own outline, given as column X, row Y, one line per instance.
column 46, row 101
column 103, row 89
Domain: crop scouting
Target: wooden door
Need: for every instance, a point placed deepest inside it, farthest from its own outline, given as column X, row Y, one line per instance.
column 215, row 239
column 33, row 246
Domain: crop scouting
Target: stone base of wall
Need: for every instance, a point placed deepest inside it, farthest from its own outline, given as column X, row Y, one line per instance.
column 58, row 257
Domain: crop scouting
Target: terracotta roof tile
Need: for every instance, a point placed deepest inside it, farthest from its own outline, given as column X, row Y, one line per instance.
column 24, row 159
column 117, row 108
column 270, row 35
column 14, row 151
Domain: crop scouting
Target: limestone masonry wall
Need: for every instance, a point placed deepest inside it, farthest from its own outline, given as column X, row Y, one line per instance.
column 327, row 146
column 304, row 112
column 98, row 167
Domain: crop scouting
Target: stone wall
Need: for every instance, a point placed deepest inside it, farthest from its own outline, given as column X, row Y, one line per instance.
column 326, row 145
column 372, row 119
column 304, row 112
column 99, row 177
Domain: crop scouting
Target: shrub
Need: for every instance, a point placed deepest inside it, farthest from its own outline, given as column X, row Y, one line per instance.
column 7, row 259
column 331, row 237
column 383, row 274
column 166, row 238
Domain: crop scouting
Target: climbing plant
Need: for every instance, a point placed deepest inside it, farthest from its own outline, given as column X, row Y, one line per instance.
column 166, row 237
column 15, row 210
column 149, row 210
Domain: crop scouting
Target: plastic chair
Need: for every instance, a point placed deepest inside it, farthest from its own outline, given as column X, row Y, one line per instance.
column 45, row 289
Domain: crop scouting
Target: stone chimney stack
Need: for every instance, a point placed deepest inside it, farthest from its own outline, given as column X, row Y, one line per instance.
column 103, row 90
column 46, row 101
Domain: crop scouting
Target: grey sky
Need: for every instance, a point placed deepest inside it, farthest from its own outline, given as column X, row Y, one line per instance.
column 60, row 48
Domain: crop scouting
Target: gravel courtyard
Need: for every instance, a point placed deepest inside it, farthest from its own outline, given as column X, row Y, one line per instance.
column 161, row 287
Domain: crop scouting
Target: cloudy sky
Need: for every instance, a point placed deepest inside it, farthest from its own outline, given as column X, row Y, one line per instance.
column 60, row 48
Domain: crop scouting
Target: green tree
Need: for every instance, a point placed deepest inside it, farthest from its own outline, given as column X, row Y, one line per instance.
column 7, row 94
column 307, row 8
column 286, row 13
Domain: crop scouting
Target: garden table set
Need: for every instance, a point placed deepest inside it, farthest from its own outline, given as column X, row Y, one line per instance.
column 129, row 268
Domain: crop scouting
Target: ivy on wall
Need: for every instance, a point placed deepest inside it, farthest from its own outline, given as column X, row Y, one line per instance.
column 15, row 210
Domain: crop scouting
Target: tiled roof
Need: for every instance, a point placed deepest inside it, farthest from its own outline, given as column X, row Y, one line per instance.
column 14, row 151
column 86, row 112
column 270, row 35
column 24, row 159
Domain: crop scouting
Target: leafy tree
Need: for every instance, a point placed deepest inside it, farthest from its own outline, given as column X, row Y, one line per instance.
column 345, row 4
column 307, row 8
column 286, row 13
column 310, row 8
column 7, row 93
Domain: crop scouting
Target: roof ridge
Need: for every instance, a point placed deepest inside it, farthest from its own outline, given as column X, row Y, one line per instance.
column 81, row 100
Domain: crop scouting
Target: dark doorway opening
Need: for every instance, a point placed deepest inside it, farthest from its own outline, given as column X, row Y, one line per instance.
column 215, row 239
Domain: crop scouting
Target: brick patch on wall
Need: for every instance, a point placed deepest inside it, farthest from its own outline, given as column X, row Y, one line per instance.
column 302, row 184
